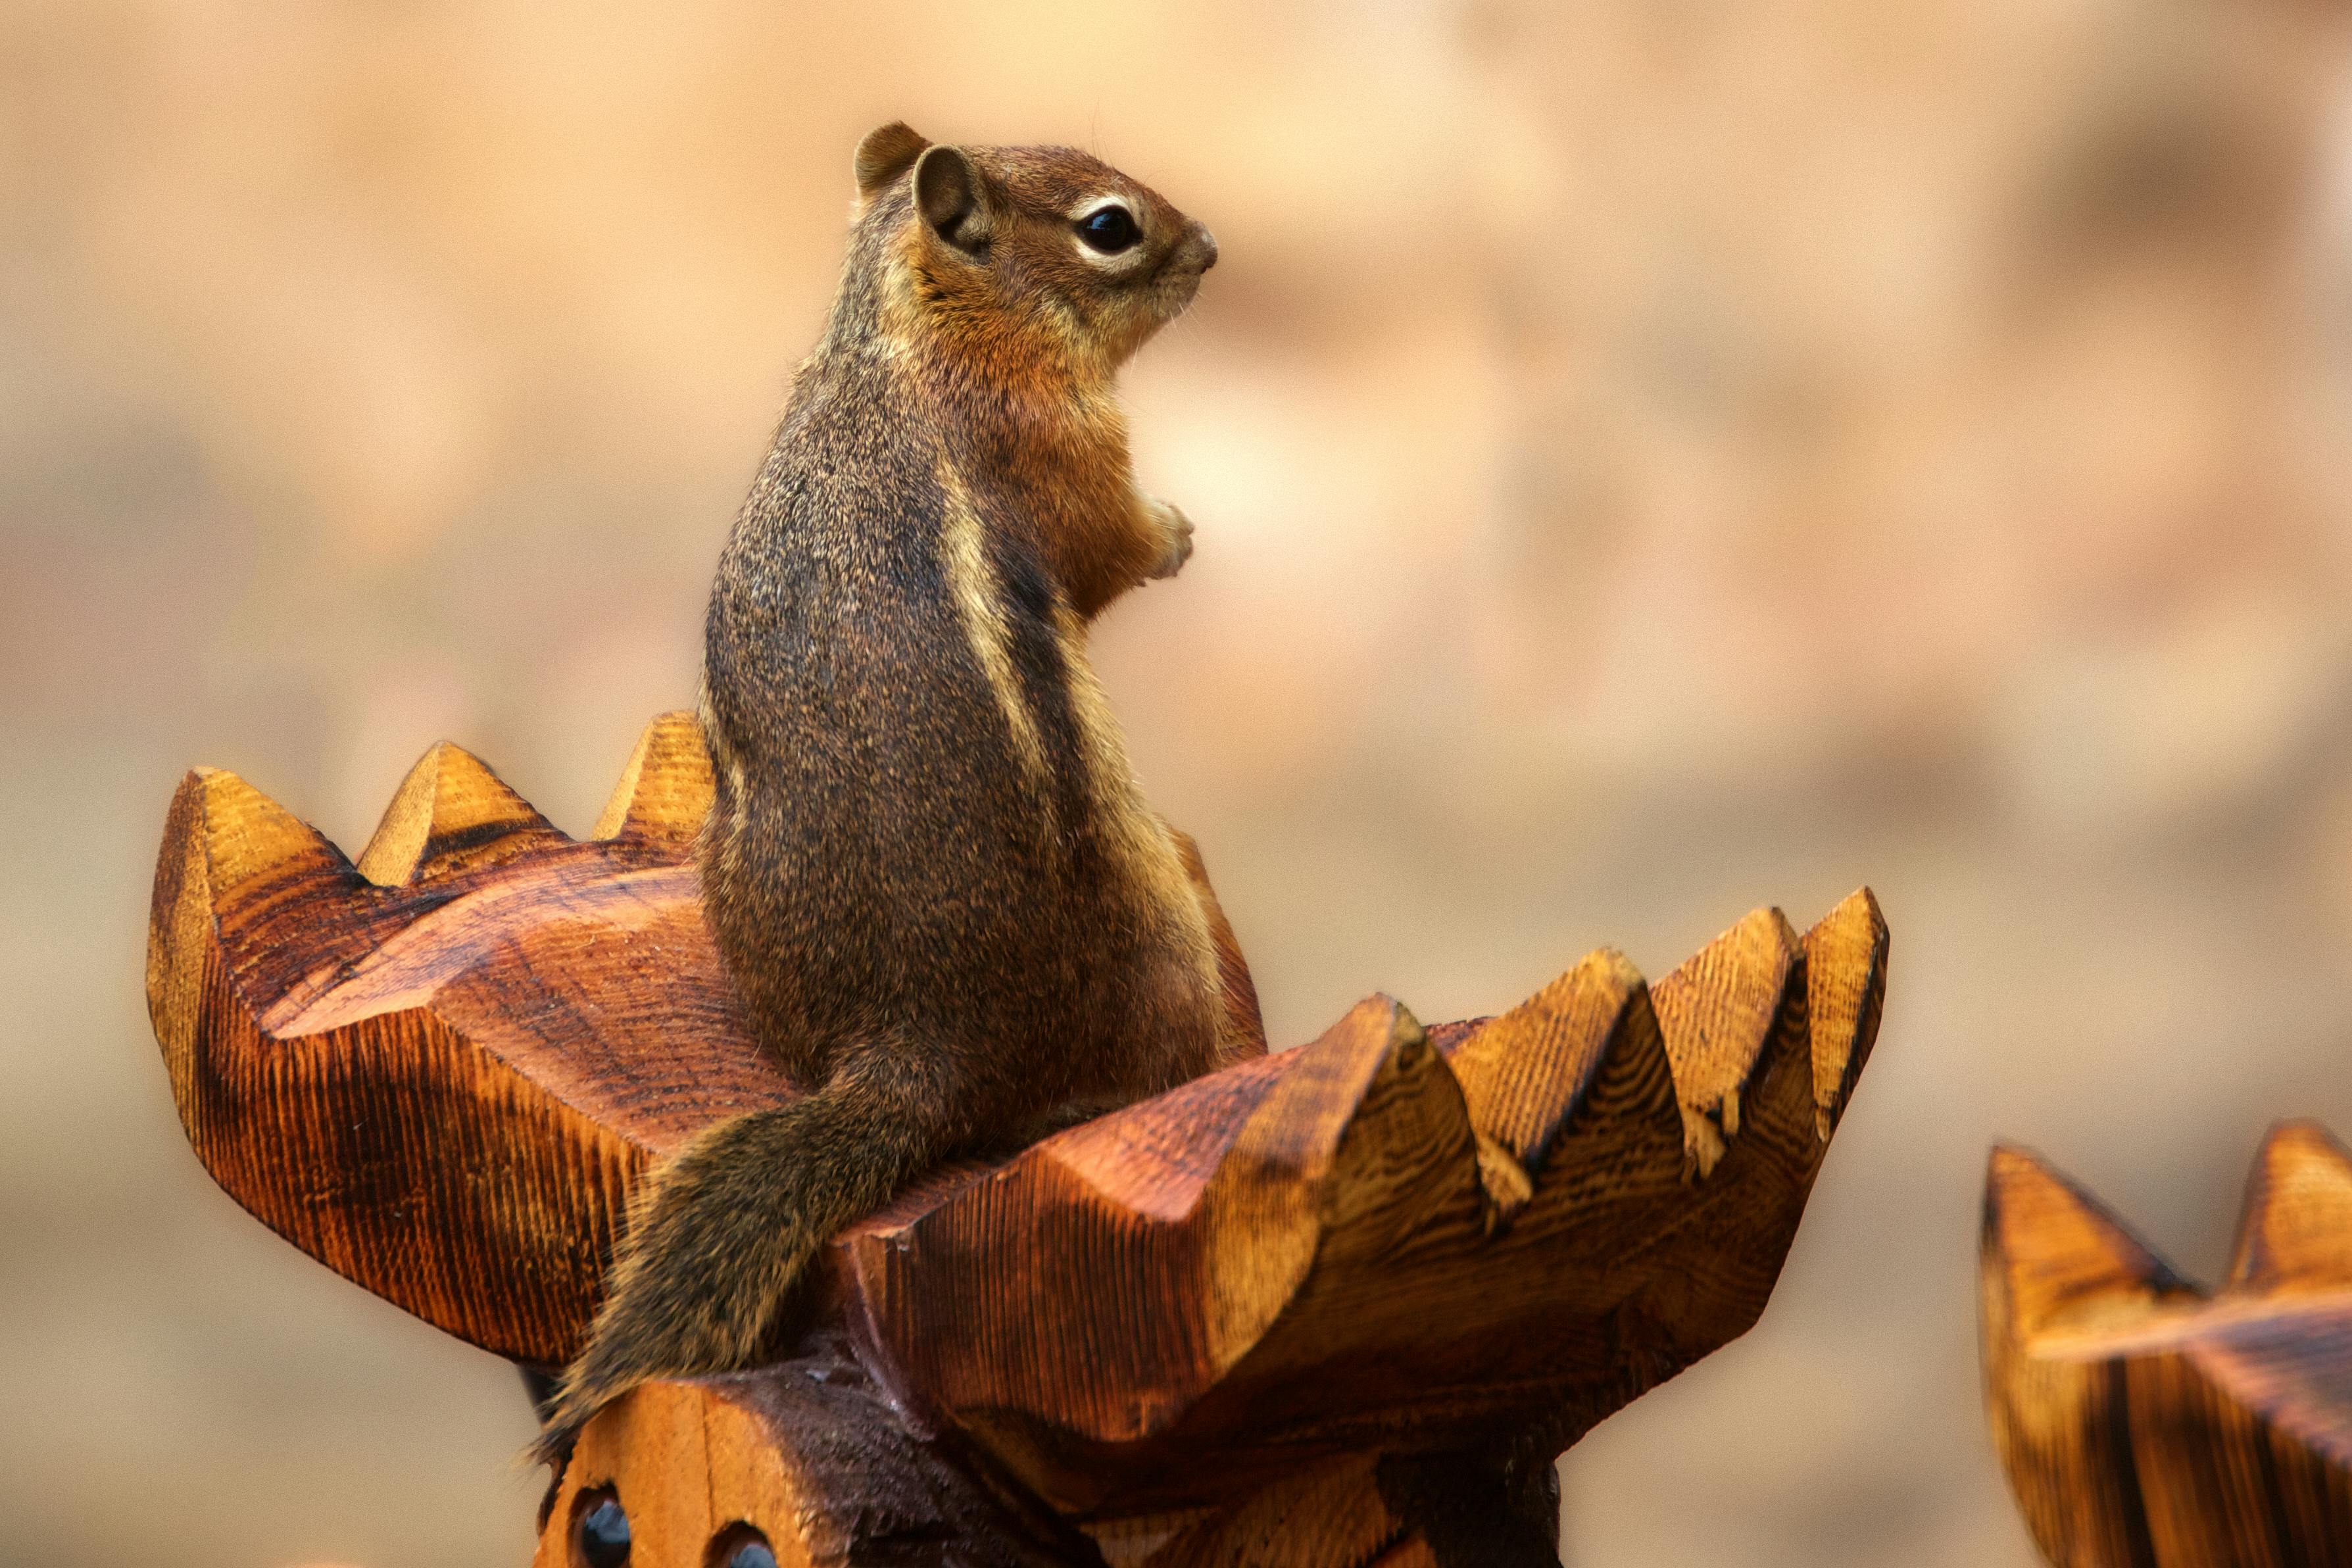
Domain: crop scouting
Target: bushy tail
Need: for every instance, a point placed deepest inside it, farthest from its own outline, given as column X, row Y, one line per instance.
column 718, row 1235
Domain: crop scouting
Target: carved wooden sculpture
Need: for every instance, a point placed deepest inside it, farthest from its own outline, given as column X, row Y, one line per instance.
column 1337, row 1305
column 2145, row 1424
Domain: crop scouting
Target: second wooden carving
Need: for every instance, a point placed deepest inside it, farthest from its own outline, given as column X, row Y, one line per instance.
column 2145, row 1424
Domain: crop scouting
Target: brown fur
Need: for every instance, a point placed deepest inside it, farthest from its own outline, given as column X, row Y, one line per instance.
column 928, row 867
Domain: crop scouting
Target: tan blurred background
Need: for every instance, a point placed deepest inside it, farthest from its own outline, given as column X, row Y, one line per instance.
column 1652, row 457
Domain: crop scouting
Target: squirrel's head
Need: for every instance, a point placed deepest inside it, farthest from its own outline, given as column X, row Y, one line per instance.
column 1047, row 242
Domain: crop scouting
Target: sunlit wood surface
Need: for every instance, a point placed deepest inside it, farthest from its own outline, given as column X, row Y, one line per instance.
column 1338, row 1305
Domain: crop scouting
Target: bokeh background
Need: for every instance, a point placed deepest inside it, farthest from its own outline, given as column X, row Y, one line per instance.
column 1652, row 457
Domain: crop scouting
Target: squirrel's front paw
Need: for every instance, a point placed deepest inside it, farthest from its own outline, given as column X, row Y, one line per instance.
column 1178, row 531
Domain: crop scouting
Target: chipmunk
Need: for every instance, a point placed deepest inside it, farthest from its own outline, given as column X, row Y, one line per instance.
column 946, row 906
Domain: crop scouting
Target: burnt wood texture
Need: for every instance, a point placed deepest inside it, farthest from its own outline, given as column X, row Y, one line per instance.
column 2146, row 1423
column 1337, row 1306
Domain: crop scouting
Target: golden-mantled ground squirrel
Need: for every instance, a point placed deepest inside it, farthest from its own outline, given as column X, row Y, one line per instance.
column 948, row 909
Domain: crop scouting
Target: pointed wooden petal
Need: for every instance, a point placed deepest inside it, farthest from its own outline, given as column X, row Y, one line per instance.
column 1743, row 1083
column 452, row 813
column 250, row 838
column 228, row 849
column 2049, row 1249
column 441, row 1097
column 1399, row 1189
column 2295, row 1234
column 1628, row 1104
column 2140, row 1422
column 1076, row 1305
column 1845, row 987
column 665, row 791
column 1523, row 1073
column 1406, row 1155
column 2061, row 1424
column 1719, row 1012
column 1624, row 1145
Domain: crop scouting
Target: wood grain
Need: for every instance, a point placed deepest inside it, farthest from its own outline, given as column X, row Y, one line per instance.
column 441, row 1084
column 1259, row 1319
column 1339, row 1304
column 1153, row 1311
column 2145, row 1424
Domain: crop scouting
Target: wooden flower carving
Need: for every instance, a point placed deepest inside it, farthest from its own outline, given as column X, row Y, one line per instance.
column 1338, row 1305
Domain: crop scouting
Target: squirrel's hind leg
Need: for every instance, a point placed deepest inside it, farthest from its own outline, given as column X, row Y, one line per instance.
column 721, row 1232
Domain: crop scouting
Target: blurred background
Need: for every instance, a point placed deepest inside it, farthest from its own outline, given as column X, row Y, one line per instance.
column 1651, row 459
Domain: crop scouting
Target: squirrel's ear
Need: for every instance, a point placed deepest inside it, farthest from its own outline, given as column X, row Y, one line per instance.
column 948, row 192
column 885, row 155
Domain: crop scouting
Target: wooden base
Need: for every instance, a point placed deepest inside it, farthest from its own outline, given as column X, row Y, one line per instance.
column 809, row 1458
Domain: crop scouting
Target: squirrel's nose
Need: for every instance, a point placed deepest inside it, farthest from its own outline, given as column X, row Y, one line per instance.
column 1206, row 244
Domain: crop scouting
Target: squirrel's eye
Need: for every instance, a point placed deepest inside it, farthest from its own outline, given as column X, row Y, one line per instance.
column 1109, row 230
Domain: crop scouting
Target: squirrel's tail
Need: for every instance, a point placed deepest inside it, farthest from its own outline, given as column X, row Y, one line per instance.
column 721, row 1231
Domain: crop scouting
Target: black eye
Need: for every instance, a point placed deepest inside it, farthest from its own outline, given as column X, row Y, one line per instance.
column 603, row 1531
column 1109, row 230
